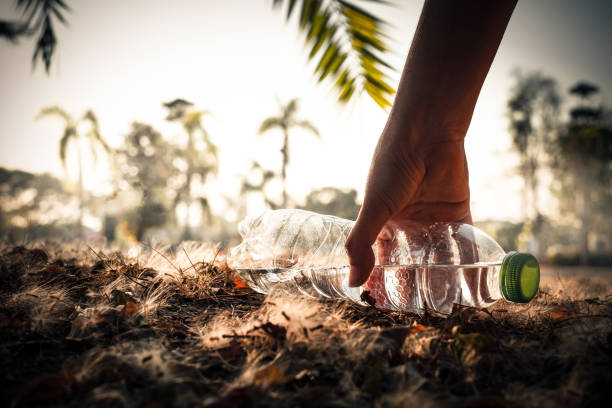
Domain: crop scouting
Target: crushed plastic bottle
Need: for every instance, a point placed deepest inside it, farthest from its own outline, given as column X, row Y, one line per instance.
column 430, row 267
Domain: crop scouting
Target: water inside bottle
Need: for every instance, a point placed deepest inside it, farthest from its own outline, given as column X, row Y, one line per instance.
column 406, row 288
column 438, row 287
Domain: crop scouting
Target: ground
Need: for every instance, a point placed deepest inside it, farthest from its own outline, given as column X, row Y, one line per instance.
column 86, row 327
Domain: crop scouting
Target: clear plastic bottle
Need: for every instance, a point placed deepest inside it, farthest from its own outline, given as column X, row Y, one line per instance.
column 431, row 266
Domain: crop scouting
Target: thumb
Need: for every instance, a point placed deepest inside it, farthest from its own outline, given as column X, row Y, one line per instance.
column 372, row 217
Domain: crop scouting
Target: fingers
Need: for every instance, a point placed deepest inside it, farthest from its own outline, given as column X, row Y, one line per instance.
column 370, row 221
column 386, row 242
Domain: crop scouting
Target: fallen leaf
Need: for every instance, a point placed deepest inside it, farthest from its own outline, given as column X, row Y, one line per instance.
column 270, row 375
column 118, row 297
column 130, row 309
column 418, row 328
column 560, row 313
column 239, row 283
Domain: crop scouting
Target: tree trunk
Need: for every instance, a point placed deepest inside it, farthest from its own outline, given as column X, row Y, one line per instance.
column 140, row 229
column 189, row 176
column 81, row 209
column 285, row 152
column 584, row 195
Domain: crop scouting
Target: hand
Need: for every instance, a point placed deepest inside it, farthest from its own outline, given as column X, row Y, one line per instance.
column 419, row 170
column 408, row 182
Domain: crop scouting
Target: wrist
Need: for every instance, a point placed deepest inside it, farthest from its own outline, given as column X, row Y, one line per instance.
column 421, row 127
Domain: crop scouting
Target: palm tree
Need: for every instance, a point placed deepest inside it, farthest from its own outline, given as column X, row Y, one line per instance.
column 39, row 16
column 199, row 162
column 71, row 134
column 285, row 121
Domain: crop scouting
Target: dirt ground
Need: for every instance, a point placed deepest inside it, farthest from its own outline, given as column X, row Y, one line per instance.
column 155, row 328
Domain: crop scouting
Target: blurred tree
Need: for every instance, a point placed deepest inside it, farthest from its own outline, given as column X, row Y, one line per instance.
column 286, row 121
column 333, row 201
column 31, row 202
column 199, row 155
column 584, row 165
column 38, row 16
column 533, row 110
column 72, row 133
column 145, row 166
column 351, row 43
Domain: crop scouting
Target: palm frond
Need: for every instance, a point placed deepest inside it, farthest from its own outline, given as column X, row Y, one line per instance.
column 70, row 131
column 304, row 124
column 351, row 44
column 55, row 111
column 290, row 108
column 12, row 30
column 69, row 134
column 38, row 16
column 94, row 133
column 177, row 108
column 45, row 45
column 270, row 123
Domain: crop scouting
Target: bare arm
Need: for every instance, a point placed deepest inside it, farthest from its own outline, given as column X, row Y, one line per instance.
column 419, row 171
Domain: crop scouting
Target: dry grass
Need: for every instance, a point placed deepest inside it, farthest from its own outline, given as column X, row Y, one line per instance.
column 161, row 327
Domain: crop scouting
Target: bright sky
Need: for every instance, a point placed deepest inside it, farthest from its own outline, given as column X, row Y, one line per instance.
column 124, row 58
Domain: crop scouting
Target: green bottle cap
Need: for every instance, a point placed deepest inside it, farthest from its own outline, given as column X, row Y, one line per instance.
column 519, row 277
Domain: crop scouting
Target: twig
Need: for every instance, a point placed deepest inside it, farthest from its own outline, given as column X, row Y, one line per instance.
column 192, row 265
column 239, row 336
column 135, row 281
column 166, row 258
column 95, row 253
column 215, row 257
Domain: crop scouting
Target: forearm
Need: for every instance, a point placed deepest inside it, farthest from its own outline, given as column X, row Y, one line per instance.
column 451, row 53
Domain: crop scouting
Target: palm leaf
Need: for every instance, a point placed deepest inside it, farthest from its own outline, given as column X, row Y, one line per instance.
column 12, row 30
column 54, row 111
column 69, row 134
column 351, row 44
column 38, row 17
column 304, row 124
column 177, row 108
column 94, row 133
column 290, row 109
column 69, row 128
column 270, row 123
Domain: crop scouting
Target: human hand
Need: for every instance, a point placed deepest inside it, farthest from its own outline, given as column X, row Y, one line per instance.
column 411, row 179
column 419, row 170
